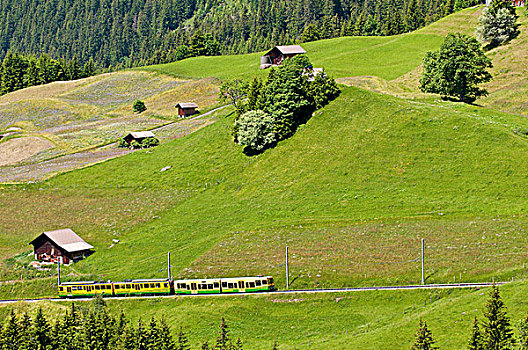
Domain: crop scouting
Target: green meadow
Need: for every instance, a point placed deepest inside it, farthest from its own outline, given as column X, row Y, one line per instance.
column 351, row 194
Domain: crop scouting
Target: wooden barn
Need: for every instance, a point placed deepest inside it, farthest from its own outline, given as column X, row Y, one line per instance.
column 278, row 54
column 186, row 109
column 138, row 136
column 64, row 243
column 513, row 2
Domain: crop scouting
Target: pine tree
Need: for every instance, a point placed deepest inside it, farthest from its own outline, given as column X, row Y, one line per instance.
column 182, row 343
column 41, row 331
column 475, row 343
column 498, row 333
column 223, row 340
column 523, row 334
column 10, row 333
column 25, row 341
column 424, row 338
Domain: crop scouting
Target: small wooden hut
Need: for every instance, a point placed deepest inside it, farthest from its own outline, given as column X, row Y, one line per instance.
column 138, row 136
column 65, row 243
column 186, row 109
column 278, row 54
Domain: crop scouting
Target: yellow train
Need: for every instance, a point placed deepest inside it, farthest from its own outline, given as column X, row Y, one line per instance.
column 166, row 287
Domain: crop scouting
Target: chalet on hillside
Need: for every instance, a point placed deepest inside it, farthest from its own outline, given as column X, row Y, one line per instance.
column 278, row 54
column 186, row 109
column 64, row 243
column 514, row 2
column 138, row 136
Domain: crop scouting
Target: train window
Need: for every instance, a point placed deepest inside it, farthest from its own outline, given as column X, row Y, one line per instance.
column 252, row 284
column 60, row 288
column 183, row 285
column 146, row 285
column 158, row 285
column 257, row 282
column 210, row 286
column 247, row 284
column 96, row 287
column 264, row 281
column 152, row 285
column 165, row 285
column 271, row 281
column 224, row 284
column 116, row 286
column 108, row 286
column 231, row 285
column 128, row 286
column 216, row 285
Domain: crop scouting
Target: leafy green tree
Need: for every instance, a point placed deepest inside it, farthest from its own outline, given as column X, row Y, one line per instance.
column 255, row 130
column 498, row 334
column 139, row 106
column 424, row 338
column 496, row 27
column 149, row 142
column 234, row 91
column 475, row 342
column 456, row 69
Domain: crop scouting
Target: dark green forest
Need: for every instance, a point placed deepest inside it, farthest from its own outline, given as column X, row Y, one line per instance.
column 125, row 33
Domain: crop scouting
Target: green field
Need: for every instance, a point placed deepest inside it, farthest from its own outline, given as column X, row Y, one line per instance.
column 361, row 320
column 351, row 193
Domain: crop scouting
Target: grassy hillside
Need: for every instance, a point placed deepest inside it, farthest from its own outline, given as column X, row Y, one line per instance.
column 386, row 57
column 365, row 320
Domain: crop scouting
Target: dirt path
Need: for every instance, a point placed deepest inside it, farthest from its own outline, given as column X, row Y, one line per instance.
column 45, row 169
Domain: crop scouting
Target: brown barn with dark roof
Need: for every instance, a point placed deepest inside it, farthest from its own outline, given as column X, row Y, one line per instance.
column 186, row 108
column 64, row 243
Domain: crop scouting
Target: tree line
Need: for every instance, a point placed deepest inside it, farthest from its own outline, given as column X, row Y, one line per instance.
column 495, row 332
column 19, row 71
column 126, row 33
column 98, row 329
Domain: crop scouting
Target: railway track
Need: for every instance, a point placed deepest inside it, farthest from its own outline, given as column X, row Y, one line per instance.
column 278, row 292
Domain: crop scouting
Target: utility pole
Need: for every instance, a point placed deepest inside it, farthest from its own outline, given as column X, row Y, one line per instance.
column 423, row 258
column 287, row 270
column 58, row 270
column 169, row 265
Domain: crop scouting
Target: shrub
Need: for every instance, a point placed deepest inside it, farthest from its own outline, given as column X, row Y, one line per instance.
column 255, row 130
column 139, row 106
column 135, row 145
column 150, row 142
column 496, row 27
column 122, row 143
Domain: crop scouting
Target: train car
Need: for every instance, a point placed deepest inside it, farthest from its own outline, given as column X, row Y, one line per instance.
column 247, row 284
column 203, row 286
column 143, row 287
column 132, row 287
column 85, row 289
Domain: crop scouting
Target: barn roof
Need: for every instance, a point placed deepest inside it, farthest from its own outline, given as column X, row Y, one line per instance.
column 66, row 239
column 141, row 134
column 289, row 50
column 187, row 105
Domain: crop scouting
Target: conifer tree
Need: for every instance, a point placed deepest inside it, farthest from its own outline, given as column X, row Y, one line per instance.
column 41, row 331
column 182, row 343
column 424, row 338
column 25, row 341
column 523, row 334
column 475, row 343
column 223, row 341
column 498, row 333
column 10, row 333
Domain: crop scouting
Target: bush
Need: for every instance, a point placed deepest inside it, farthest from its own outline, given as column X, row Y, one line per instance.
column 255, row 130
column 139, row 106
column 135, row 145
column 122, row 143
column 496, row 27
column 150, row 142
